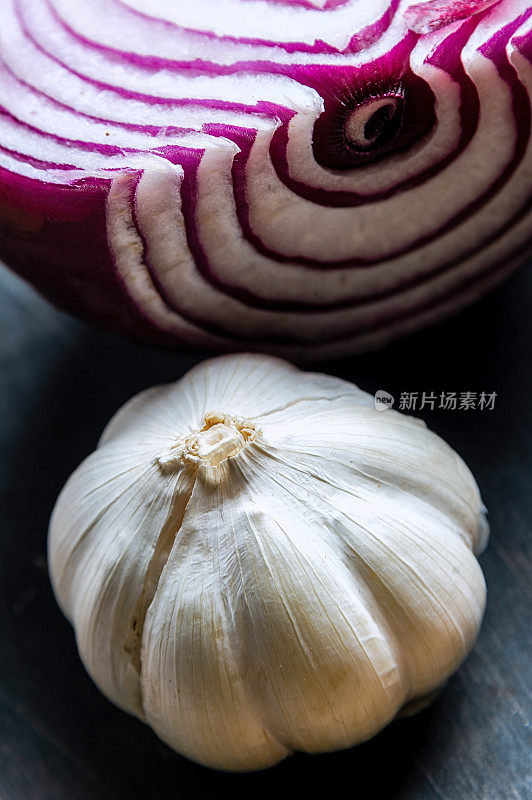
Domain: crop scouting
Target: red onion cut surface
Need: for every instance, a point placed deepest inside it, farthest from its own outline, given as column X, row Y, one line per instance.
column 310, row 177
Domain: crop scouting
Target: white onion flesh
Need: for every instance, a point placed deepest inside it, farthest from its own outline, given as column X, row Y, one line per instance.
column 213, row 174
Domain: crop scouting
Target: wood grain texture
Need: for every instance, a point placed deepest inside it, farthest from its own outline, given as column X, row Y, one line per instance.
column 60, row 381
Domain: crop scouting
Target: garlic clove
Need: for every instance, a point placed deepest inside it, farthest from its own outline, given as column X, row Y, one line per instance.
column 194, row 680
column 109, row 536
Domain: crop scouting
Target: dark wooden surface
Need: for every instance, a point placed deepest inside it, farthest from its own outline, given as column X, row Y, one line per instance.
column 60, row 739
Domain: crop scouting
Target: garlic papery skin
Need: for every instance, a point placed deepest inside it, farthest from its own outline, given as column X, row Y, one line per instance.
column 256, row 560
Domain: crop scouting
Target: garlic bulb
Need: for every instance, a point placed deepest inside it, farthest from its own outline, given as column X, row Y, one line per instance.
column 255, row 560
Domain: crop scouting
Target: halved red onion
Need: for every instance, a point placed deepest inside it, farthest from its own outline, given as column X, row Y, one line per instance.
column 311, row 177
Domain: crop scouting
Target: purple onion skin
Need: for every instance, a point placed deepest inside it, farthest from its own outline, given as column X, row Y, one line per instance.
column 55, row 238
column 56, row 232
